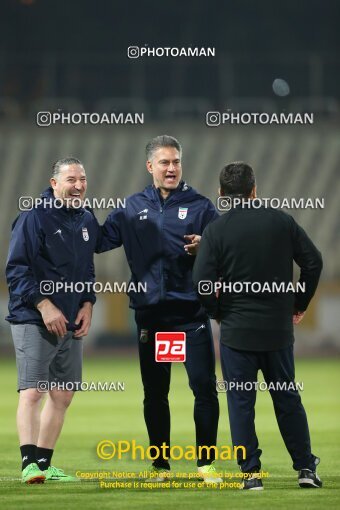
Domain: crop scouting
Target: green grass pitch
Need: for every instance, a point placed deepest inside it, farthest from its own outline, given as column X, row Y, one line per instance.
column 95, row 416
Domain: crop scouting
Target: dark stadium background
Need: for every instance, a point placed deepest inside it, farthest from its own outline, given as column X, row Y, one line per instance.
column 72, row 56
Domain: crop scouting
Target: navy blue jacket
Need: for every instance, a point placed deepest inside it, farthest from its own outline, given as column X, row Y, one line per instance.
column 54, row 244
column 152, row 232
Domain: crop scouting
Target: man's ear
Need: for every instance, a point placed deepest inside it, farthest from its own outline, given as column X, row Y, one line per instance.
column 253, row 193
column 219, row 191
column 53, row 182
column 149, row 167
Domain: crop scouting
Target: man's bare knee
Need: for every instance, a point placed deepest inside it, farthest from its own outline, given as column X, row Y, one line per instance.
column 31, row 396
column 61, row 398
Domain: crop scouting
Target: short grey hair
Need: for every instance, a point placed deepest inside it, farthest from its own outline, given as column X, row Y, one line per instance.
column 161, row 141
column 56, row 167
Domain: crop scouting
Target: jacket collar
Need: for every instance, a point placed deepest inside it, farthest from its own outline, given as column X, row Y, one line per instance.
column 182, row 193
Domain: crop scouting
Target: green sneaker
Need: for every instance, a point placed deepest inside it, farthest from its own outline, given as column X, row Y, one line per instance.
column 158, row 474
column 209, row 474
column 54, row 474
column 32, row 474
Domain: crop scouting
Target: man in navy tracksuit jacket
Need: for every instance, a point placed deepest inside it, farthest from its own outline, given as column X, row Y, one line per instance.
column 160, row 229
column 50, row 245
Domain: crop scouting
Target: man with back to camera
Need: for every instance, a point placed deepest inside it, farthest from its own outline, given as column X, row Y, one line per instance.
column 50, row 244
column 153, row 229
column 249, row 244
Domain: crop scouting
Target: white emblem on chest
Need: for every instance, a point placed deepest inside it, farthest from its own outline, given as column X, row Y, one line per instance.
column 182, row 213
column 85, row 234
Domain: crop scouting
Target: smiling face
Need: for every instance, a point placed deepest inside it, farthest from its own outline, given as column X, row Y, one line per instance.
column 70, row 184
column 166, row 169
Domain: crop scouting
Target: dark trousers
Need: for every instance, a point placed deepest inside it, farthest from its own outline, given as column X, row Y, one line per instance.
column 276, row 366
column 200, row 367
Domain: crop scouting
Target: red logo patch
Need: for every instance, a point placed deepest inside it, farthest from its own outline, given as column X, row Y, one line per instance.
column 170, row 347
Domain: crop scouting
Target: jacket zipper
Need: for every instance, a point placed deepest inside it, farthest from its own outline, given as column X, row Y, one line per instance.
column 161, row 265
column 73, row 220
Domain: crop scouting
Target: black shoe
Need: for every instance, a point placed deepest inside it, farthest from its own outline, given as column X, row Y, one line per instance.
column 309, row 479
column 253, row 483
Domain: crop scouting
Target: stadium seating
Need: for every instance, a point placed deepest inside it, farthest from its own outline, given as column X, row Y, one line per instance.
column 290, row 161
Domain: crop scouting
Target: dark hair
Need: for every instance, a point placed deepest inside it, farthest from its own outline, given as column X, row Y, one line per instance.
column 161, row 141
column 56, row 167
column 237, row 178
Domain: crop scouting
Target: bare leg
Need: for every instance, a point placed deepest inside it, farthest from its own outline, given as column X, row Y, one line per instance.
column 28, row 416
column 52, row 417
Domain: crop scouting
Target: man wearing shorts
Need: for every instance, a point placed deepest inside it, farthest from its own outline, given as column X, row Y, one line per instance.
column 51, row 248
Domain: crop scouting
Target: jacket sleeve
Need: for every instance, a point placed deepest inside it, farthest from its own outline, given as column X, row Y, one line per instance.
column 110, row 233
column 89, row 295
column 206, row 270
column 26, row 241
column 309, row 259
column 210, row 214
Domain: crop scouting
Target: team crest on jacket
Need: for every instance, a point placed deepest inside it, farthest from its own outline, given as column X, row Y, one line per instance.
column 85, row 234
column 182, row 213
